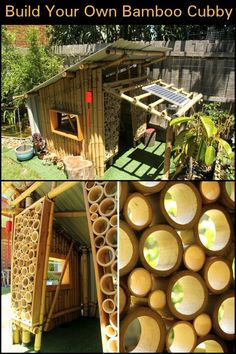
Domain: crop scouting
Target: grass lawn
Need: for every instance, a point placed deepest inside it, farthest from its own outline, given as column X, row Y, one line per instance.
column 33, row 169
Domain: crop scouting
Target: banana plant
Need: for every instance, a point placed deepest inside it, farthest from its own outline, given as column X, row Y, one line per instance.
column 200, row 140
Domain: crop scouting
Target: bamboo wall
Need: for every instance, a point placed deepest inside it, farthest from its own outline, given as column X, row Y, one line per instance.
column 71, row 296
column 176, row 273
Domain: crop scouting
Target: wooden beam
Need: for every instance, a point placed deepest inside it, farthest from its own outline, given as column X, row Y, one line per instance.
column 5, row 186
column 11, row 212
column 114, row 62
column 154, row 61
column 26, row 193
column 70, row 214
column 185, row 108
column 58, row 288
column 143, row 53
column 60, row 189
column 124, row 81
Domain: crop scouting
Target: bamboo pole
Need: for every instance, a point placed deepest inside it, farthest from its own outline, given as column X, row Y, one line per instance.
column 26, row 193
column 60, row 189
column 58, row 288
column 84, row 272
column 100, row 116
column 38, row 336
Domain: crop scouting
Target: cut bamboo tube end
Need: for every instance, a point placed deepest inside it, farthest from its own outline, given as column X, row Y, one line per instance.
column 224, row 316
column 111, row 237
column 175, row 201
column 228, row 194
column 99, row 241
column 124, row 299
column 148, row 187
column 194, row 258
column 106, row 284
column 202, row 324
column 215, row 220
column 110, row 189
column 160, row 250
column 93, row 208
column 157, row 300
column 110, row 331
column 138, row 211
column 139, row 282
column 128, row 249
column 210, row 191
column 108, row 305
column 210, row 344
column 105, row 256
column 107, row 207
column 112, row 345
column 181, row 338
column 113, row 319
column 113, row 220
column 100, row 225
column 217, row 274
column 190, row 290
column 151, row 331
column 95, row 194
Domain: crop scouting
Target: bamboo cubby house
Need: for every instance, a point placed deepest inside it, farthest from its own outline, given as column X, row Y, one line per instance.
column 53, row 271
column 80, row 111
column 176, row 267
column 101, row 204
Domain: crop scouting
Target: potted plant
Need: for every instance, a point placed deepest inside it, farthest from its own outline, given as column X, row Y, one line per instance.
column 39, row 145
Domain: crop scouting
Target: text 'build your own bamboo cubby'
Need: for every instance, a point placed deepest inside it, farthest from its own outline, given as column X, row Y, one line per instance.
column 101, row 205
column 176, row 266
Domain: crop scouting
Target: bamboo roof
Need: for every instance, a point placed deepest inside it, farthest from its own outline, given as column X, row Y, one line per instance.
column 111, row 52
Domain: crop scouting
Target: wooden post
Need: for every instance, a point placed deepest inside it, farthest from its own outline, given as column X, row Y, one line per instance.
column 38, row 336
column 58, row 287
column 84, row 273
column 169, row 139
column 60, row 189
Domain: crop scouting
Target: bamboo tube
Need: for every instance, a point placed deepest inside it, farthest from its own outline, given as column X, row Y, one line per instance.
column 114, row 267
column 124, row 299
column 128, row 248
column 38, row 336
column 175, row 201
column 137, row 211
column 110, row 331
column 217, row 274
column 93, row 208
column 84, row 261
column 60, row 189
column 113, row 220
column 26, row 193
column 111, row 237
column 28, row 201
column 192, row 289
column 167, row 245
column 139, row 282
column 107, row 207
column 89, row 185
column 152, row 334
column 214, row 218
column 210, row 191
column 210, row 344
column 148, row 187
column 105, row 256
column 202, row 324
column 228, row 194
column 106, row 284
column 93, row 217
column 25, row 337
column 110, row 189
column 95, row 194
column 16, row 334
column 113, row 319
column 157, row 300
column 181, row 338
column 108, row 305
column 112, row 345
column 224, row 316
column 194, row 258
column 35, row 236
column 99, row 241
column 100, row 225
column 123, row 193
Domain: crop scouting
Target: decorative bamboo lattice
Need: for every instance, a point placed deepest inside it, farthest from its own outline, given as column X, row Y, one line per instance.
column 101, row 206
column 176, row 266
column 28, row 260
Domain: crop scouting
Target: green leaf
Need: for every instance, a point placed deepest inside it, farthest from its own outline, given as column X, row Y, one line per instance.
column 209, row 126
column 192, row 147
column 180, row 120
column 177, row 158
column 226, row 147
column 182, row 137
column 210, row 155
column 201, row 151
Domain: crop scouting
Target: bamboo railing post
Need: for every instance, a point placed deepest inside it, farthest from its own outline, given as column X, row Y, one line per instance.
column 38, row 336
column 84, row 272
column 168, row 148
column 58, row 287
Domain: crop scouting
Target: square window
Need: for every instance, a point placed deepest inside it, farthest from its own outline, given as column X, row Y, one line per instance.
column 66, row 124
